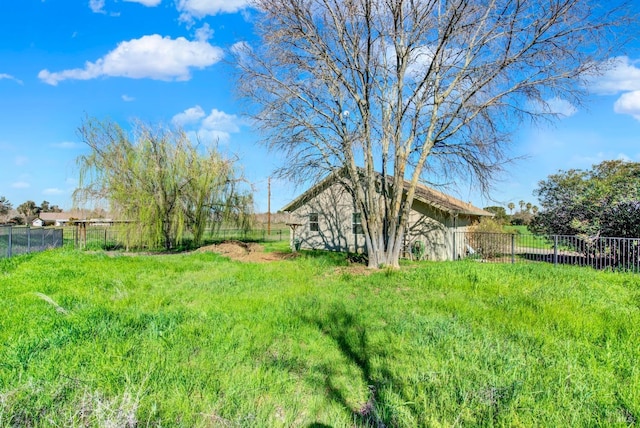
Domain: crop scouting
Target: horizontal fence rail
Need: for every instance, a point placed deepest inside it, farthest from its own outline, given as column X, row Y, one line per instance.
column 24, row 240
column 114, row 237
column 596, row 252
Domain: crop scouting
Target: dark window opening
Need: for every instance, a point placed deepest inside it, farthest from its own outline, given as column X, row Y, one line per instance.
column 314, row 225
column 357, row 224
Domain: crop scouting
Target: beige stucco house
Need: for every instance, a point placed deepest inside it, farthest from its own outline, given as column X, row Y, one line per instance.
column 325, row 217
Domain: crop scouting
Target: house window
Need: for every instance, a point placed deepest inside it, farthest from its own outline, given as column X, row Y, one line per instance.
column 313, row 222
column 357, row 224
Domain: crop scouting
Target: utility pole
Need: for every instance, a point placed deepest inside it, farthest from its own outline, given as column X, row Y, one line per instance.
column 269, row 207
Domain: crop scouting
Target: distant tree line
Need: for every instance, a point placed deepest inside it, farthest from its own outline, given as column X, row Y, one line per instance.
column 27, row 211
column 522, row 217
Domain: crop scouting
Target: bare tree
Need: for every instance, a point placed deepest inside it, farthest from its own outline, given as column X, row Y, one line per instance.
column 412, row 90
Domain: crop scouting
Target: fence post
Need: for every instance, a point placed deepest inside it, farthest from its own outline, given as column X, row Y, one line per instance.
column 28, row 239
column 513, row 248
column 455, row 248
column 555, row 250
column 10, row 242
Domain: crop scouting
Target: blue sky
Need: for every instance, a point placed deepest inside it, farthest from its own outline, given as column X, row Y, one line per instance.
column 165, row 61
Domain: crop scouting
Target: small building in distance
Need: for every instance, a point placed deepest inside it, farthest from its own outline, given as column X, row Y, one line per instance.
column 68, row 219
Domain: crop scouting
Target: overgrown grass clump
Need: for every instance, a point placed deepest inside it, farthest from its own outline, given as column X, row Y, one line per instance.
column 199, row 340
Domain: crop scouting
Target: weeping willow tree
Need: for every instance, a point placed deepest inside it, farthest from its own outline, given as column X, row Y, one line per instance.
column 160, row 183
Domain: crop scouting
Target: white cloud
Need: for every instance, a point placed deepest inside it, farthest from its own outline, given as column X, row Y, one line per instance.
column 10, row 77
column 204, row 33
column 623, row 76
column 628, row 103
column 242, row 51
column 154, row 57
column 624, row 157
column 217, row 126
column 97, row 6
column 52, row 191
column 583, row 162
column 189, row 117
column 418, row 63
column 127, row 98
column 561, row 107
column 20, row 185
column 148, row 3
column 221, row 121
column 558, row 107
column 199, row 8
column 66, row 145
column 240, row 47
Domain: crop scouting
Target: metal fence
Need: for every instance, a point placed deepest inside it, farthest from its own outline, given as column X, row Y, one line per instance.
column 23, row 240
column 596, row 252
column 114, row 237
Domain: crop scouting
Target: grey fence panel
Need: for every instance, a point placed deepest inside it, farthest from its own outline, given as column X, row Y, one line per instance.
column 24, row 240
column 5, row 241
column 596, row 252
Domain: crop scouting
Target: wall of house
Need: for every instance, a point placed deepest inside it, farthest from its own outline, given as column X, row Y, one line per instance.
column 429, row 225
column 335, row 209
column 435, row 229
column 429, row 228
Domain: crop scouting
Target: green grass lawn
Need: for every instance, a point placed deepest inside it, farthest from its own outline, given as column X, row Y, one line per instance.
column 87, row 339
column 526, row 239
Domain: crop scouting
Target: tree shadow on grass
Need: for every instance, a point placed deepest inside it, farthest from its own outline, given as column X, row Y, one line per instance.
column 364, row 349
column 350, row 336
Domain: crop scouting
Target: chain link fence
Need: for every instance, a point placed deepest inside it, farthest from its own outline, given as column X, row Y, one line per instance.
column 597, row 252
column 23, row 240
column 115, row 237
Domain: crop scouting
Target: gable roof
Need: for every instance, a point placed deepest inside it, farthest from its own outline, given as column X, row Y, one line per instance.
column 65, row 215
column 446, row 203
column 53, row 216
column 425, row 194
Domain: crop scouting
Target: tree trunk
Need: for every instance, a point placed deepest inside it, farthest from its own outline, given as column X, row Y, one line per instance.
column 384, row 246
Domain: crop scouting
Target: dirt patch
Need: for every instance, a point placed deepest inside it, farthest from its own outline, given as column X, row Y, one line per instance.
column 246, row 252
column 354, row 269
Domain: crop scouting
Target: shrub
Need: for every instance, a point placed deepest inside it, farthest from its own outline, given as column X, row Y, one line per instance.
column 487, row 237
